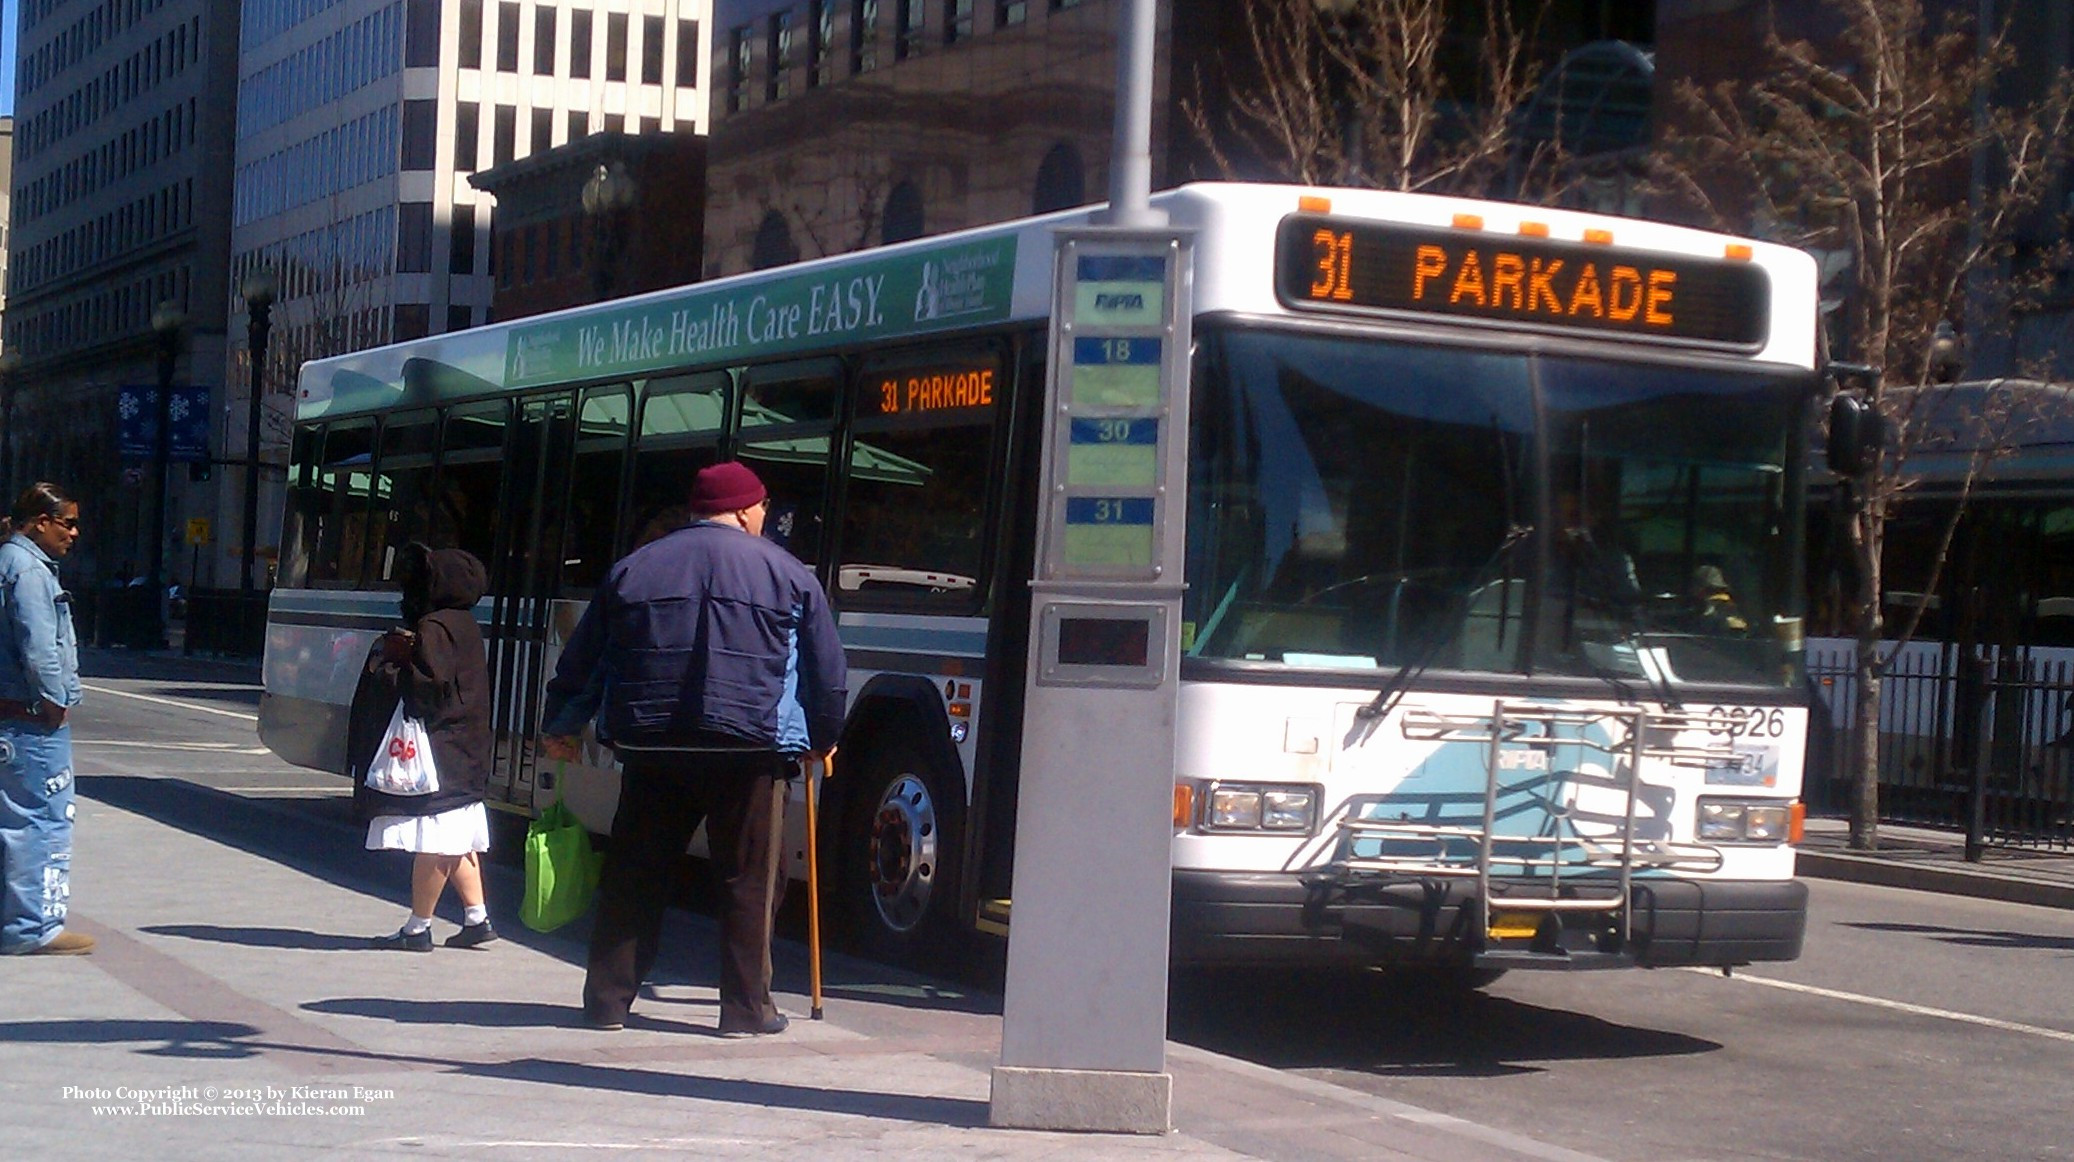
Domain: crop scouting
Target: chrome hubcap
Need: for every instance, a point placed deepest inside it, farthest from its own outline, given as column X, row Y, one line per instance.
column 903, row 853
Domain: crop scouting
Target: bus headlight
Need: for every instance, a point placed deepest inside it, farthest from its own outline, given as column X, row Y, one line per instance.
column 1260, row 807
column 1745, row 820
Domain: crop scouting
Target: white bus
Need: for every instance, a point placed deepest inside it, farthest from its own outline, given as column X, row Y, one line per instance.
column 1492, row 635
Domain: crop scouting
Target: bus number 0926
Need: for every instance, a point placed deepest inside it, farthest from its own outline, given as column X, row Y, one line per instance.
column 1750, row 722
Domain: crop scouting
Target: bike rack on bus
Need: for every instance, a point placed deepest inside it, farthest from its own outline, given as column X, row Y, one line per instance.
column 1534, row 885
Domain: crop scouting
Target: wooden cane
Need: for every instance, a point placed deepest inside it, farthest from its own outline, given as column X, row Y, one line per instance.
column 814, row 885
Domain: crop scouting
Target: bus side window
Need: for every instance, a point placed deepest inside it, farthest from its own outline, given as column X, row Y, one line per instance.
column 409, row 441
column 601, row 443
column 309, row 506
column 681, row 421
column 915, row 507
column 348, row 476
column 463, row 513
column 788, row 429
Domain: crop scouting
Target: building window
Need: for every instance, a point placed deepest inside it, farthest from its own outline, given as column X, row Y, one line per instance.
column 1061, row 181
column 543, row 130
column 580, row 43
column 738, row 50
column 420, row 134
column 1007, row 12
column 902, row 219
column 773, row 243
column 421, row 35
column 471, row 34
column 466, row 125
column 544, row 41
column 688, row 53
column 459, row 318
column 579, row 124
column 413, row 320
column 651, row 50
column 778, row 58
column 820, row 41
column 957, row 21
column 616, row 46
column 461, row 259
column 504, row 142
column 507, row 37
column 414, row 238
column 864, row 35
column 908, row 24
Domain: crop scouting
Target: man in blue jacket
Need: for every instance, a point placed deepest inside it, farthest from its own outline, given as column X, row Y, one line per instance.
column 715, row 658
column 39, row 686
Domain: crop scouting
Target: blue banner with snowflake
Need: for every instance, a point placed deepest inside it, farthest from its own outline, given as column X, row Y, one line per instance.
column 136, row 410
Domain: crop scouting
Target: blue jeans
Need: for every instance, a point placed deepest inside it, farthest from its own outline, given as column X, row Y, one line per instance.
column 35, row 834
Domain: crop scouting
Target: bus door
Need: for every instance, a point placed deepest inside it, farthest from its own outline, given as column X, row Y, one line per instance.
column 523, row 580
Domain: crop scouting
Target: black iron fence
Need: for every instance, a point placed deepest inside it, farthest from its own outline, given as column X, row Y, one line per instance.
column 1977, row 741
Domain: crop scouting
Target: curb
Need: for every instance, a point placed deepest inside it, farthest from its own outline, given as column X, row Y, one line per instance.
column 1950, row 881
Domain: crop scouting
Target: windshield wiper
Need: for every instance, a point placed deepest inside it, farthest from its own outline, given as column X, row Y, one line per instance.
column 1386, row 699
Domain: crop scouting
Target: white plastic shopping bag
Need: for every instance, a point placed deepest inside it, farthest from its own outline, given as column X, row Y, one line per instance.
column 403, row 765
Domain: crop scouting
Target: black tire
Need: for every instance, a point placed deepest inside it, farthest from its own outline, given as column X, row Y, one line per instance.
column 898, row 854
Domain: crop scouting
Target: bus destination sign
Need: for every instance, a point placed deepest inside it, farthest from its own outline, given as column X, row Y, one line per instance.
column 1335, row 264
column 929, row 390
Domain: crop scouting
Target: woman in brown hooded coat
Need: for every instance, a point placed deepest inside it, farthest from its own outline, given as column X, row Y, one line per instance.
column 437, row 667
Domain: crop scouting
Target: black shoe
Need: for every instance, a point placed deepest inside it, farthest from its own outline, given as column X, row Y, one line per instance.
column 473, row 936
column 775, row 1024
column 402, row 941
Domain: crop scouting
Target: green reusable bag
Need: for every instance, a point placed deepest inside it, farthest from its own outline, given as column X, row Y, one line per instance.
column 561, row 869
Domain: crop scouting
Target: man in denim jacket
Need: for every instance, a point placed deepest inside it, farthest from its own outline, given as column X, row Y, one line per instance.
column 39, row 685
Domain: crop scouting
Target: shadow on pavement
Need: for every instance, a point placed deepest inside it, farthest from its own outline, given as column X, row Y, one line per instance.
column 1381, row 1025
column 944, row 1111
column 246, row 697
column 1973, row 937
column 262, row 937
column 216, row 1039
column 487, row 1014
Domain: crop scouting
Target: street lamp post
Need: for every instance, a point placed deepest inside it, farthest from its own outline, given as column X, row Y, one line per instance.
column 606, row 197
column 259, row 288
column 167, row 321
column 10, row 367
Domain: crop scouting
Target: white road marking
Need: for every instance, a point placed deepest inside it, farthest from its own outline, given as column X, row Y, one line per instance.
column 171, row 702
column 205, row 747
column 1897, row 1006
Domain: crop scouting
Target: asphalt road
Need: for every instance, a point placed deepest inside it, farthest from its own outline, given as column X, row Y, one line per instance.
column 1916, row 1026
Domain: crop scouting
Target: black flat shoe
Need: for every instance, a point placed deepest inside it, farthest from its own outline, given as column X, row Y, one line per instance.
column 776, row 1024
column 473, row 936
column 404, row 941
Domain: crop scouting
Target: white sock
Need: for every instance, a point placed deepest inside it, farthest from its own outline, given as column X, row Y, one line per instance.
column 475, row 914
column 416, row 924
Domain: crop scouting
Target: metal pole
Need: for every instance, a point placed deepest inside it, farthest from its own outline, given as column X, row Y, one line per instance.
column 261, row 323
column 168, row 349
column 1130, row 153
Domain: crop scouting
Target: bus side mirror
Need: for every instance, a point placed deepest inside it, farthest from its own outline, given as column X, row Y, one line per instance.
column 1856, row 434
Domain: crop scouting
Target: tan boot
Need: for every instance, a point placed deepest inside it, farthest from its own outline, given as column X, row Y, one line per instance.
column 67, row 944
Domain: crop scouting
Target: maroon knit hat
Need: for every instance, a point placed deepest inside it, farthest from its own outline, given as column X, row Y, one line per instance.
column 726, row 487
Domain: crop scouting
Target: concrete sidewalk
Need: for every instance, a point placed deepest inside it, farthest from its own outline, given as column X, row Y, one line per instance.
column 231, row 1009
column 1935, row 861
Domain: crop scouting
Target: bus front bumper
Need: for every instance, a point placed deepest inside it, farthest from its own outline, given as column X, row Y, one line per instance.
column 1272, row 918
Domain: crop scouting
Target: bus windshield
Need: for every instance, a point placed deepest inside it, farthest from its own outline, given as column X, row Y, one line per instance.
column 1365, row 505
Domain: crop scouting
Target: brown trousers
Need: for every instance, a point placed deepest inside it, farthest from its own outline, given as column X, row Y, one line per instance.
column 662, row 799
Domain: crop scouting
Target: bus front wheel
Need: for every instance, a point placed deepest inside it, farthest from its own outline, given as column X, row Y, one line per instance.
column 900, row 855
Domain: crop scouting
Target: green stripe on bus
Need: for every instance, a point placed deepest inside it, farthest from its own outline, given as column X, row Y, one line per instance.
column 913, row 293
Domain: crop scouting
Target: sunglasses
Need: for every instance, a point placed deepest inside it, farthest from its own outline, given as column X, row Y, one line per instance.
column 70, row 522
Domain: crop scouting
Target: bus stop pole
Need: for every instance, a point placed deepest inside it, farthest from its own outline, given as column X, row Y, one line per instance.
column 1083, row 1035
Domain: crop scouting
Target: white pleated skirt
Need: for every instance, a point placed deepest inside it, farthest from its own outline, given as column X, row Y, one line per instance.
column 456, row 832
